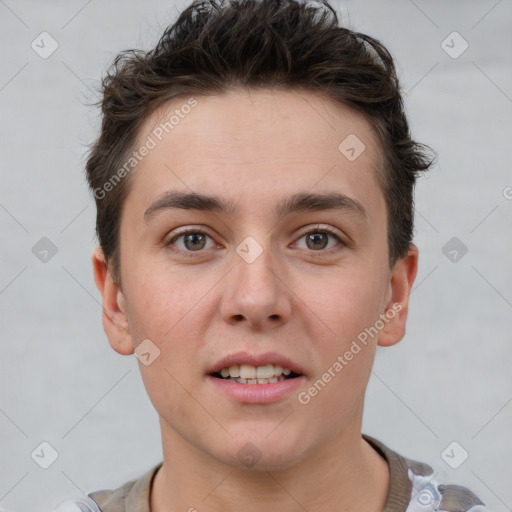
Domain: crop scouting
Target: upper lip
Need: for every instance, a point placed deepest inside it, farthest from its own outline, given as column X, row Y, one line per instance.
column 255, row 360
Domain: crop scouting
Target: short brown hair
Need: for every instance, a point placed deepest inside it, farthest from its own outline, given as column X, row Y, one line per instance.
column 215, row 45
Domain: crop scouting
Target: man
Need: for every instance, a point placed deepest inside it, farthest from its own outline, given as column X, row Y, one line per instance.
column 254, row 182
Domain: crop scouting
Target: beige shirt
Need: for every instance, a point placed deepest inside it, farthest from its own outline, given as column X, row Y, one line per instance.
column 412, row 488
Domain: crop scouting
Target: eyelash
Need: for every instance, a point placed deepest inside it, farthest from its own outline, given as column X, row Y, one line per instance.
column 325, row 230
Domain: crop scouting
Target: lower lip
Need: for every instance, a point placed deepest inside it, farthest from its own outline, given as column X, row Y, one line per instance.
column 257, row 393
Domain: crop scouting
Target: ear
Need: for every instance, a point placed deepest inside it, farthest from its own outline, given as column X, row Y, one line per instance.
column 401, row 281
column 114, row 316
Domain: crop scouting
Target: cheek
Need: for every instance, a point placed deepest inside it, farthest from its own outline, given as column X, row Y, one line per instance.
column 345, row 302
column 162, row 305
column 173, row 314
column 167, row 391
column 351, row 307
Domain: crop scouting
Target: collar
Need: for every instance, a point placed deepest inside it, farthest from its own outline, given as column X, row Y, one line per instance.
column 134, row 495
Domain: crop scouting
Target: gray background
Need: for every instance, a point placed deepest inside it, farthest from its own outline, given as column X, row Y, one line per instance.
column 448, row 380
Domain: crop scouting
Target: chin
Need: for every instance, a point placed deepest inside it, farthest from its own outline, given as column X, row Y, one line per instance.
column 260, row 453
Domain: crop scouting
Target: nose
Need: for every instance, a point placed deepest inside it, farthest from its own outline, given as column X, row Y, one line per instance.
column 256, row 292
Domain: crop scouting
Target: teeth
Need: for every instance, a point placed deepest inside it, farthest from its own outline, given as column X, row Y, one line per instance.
column 265, row 372
column 258, row 381
column 247, row 372
column 252, row 374
column 234, row 371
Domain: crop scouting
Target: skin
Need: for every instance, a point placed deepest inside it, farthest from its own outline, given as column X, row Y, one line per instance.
column 305, row 301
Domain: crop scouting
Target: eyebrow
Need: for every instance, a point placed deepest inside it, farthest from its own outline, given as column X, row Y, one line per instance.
column 299, row 202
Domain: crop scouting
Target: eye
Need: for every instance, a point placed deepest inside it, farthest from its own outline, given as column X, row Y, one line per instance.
column 318, row 239
column 193, row 240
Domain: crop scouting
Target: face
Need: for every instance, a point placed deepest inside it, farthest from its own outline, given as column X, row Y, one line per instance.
column 250, row 237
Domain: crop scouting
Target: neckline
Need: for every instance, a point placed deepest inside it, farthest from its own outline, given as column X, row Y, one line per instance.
column 399, row 490
column 397, row 498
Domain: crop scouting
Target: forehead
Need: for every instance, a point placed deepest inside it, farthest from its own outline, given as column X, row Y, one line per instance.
column 258, row 144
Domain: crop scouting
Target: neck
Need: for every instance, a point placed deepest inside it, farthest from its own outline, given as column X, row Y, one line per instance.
column 346, row 474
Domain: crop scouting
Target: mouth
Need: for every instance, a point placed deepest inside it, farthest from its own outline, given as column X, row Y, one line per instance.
column 250, row 368
column 249, row 374
column 249, row 378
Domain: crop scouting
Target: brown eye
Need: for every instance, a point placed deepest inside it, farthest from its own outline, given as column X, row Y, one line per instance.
column 191, row 241
column 194, row 241
column 317, row 240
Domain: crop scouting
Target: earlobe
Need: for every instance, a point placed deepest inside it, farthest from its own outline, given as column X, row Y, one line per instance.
column 114, row 317
column 402, row 279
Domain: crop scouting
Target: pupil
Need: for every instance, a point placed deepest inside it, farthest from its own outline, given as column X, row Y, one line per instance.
column 314, row 238
column 192, row 237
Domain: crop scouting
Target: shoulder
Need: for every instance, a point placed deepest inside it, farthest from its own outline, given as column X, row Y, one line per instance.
column 430, row 492
column 133, row 496
column 420, row 488
column 78, row 505
column 113, row 500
